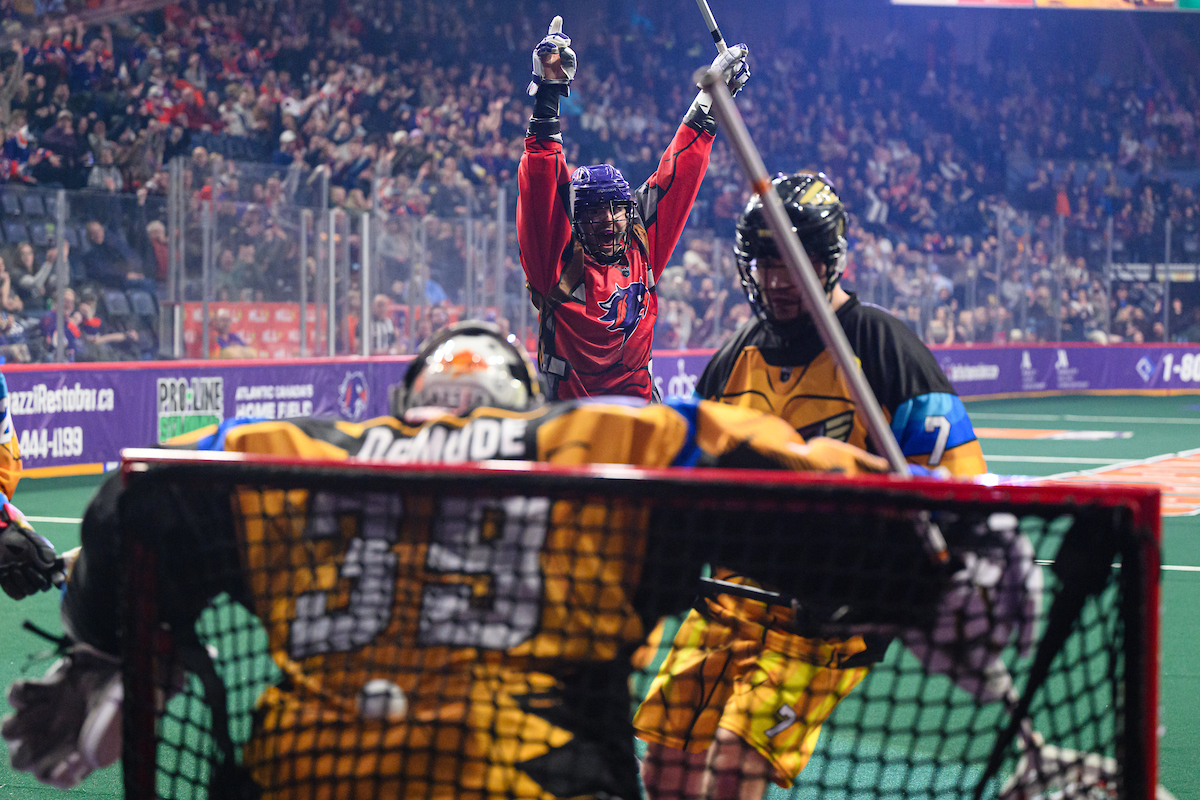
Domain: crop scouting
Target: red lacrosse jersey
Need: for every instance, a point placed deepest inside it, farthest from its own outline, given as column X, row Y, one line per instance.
column 596, row 321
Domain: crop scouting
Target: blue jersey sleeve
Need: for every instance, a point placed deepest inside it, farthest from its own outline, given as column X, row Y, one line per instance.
column 931, row 424
column 687, row 407
column 215, row 441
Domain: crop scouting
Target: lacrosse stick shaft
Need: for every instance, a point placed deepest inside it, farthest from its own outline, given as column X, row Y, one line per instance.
column 706, row 12
column 802, row 271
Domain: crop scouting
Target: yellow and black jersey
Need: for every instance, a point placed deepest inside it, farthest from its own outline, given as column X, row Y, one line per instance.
column 800, row 382
column 508, row 622
column 10, row 451
column 682, row 432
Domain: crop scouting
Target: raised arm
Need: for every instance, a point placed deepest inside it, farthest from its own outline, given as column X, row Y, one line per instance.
column 665, row 199
column 543, row 222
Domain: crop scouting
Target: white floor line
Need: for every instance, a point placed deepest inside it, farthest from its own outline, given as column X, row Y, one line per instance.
column 1042, row 562
column 1085, row 418
column 1052, row 459
column 62, row 520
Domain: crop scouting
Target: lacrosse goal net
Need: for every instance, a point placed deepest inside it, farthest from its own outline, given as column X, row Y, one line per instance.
column 333, row 630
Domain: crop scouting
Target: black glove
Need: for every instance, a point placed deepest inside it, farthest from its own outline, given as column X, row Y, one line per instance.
column 28, row 562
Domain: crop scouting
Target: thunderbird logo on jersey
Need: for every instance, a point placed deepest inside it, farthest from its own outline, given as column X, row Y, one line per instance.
column 353, row 395
column 624, row 308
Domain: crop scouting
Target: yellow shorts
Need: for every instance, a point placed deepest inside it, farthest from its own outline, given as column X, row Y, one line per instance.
column 773, row 690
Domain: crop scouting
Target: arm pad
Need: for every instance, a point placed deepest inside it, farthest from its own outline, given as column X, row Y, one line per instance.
column 544, row 123
column 699, row 116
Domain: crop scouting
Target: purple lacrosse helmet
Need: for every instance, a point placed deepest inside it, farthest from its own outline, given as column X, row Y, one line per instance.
column 601, row 211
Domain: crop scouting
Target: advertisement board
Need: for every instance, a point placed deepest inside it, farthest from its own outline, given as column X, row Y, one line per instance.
column 271, row 329
column 83, row 415
column 67, row 415
column 1111, row 5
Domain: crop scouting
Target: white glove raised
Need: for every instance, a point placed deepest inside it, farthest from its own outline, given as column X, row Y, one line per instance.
column 553, row 59
column 996, row 596
column 732, row 64
column 68, row 722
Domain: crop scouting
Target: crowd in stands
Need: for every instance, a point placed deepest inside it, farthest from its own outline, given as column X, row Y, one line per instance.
column 981, row 195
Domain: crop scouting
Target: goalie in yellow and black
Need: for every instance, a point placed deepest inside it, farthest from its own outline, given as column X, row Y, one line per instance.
column 396, row 678
column 552, row 664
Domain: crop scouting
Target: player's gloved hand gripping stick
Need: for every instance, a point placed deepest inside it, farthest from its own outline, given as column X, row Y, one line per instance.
column 730, row 63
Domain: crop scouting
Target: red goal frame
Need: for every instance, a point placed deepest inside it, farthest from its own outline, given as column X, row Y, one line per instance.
column 692, row 486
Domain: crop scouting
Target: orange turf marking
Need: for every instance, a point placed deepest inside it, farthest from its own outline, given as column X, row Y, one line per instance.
column 1013, row 433
column 1177, row 475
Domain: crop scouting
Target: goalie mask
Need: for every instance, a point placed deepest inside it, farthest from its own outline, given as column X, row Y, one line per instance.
column 601, row 212
column 466, row 366
column 818, row 219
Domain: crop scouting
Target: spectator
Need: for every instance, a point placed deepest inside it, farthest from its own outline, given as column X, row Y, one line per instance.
column 940, row 329
column 10, row 300
column 105, row 263
column 105, row 175
column 45, row 281
column 912, row 317
column 62, row 142
column 287, row 152
column 1176, row 319
column 1012, row 288
column 383, row 333
column 964, row 329
column 24, row 270
column 985, row 332
column 73, row 335
column 97, row 341
column 12, row 79
column 439, row 318
column 14, row 345
column 227, row 344
column 246, row 270
column 424, row 329
column 157, row 253
column 229, row 279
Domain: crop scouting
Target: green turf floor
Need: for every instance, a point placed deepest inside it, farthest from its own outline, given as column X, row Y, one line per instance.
column 1157, row 425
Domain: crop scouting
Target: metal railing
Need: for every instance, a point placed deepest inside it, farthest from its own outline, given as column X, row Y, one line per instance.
column 258, row 241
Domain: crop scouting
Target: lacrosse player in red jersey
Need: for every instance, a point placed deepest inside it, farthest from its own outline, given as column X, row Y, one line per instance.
column 593, row 250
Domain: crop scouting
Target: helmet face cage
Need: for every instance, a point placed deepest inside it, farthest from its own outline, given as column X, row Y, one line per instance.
column 600, row 234
column 601, row 212
column 818, row 219
column 466, row 366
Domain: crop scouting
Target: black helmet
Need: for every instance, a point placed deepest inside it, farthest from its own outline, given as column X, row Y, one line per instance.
column 818, row 218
